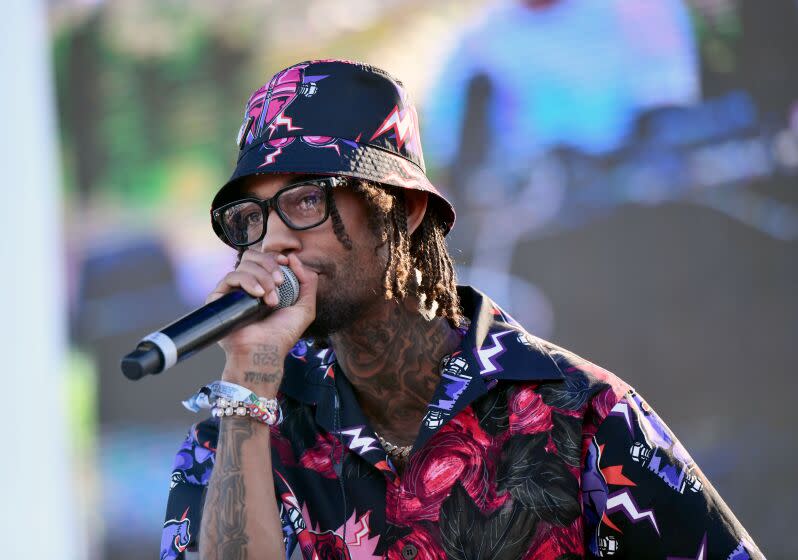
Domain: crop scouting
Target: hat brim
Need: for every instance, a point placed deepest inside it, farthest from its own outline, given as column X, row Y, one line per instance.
column 335, row 157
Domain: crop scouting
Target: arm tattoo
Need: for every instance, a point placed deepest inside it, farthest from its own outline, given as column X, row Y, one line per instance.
column 226, row 504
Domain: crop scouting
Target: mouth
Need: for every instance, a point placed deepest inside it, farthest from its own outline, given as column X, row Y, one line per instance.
column 315, row 267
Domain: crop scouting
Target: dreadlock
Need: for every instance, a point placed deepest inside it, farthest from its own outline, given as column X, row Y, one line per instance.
column 424, row 251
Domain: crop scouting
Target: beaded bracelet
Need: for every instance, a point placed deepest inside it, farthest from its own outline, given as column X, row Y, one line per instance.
column 266, row 411
column 224, row 407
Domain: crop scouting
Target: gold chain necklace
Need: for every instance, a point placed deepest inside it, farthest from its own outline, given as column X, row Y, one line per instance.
column 400, row 453
column 395, row 452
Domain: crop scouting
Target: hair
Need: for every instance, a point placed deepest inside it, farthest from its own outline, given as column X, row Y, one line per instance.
column 425, row 251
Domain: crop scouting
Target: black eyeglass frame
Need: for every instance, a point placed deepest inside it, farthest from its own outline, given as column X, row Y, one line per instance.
column 325, row 183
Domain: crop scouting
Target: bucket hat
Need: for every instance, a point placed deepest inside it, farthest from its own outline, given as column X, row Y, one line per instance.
column 337, row 118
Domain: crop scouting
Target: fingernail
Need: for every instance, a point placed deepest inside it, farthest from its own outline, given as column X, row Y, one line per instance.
column 259, row 291
column 278, row 276
column 272, row 299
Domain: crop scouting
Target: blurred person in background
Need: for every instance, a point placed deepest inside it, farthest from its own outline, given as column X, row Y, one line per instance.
column 390, row 413
column 589, row 68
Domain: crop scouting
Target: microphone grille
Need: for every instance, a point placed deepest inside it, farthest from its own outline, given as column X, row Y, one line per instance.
column 288, row 291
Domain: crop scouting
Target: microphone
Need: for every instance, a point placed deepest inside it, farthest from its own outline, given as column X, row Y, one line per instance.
column 177, row 341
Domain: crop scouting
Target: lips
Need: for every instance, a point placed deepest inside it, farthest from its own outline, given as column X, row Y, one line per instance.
column 318, row 268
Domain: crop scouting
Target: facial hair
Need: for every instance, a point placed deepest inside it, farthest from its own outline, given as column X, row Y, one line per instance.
column 351, row 287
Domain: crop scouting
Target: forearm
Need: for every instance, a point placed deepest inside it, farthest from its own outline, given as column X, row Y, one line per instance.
column 240, row 517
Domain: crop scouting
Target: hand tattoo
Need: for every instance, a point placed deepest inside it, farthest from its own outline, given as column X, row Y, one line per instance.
column 260, row 377
column 266, row 355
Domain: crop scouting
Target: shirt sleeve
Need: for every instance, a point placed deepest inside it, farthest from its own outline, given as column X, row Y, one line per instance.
column 644, row 496
column 191, row 472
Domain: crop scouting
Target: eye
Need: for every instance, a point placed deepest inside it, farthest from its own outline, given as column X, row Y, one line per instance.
column 252, row 218
column 309, row 201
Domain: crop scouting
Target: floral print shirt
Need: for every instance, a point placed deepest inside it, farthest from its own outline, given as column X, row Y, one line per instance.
column 526, row 452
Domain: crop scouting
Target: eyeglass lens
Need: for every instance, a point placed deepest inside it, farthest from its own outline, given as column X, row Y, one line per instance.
column 300, row 207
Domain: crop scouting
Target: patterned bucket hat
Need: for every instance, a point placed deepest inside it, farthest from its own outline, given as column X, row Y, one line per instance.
column 333, row 117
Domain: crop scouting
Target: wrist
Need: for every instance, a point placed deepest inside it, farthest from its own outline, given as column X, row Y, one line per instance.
column 259, row 368
column 257, row 357
column 262, row 383
column 265, row 411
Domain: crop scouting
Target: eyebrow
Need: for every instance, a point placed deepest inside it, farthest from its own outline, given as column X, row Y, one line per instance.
column 299, row 179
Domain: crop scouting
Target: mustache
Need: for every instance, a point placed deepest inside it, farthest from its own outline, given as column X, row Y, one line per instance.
column 325, row 268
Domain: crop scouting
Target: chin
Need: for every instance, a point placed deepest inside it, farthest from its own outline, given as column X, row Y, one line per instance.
column 336, row 310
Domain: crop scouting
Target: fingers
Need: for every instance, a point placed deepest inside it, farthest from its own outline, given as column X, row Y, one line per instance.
column 308, row 281
column 258, row 274
column 267, row 260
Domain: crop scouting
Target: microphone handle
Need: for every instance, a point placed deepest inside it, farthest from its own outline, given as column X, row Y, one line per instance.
column 191, row 333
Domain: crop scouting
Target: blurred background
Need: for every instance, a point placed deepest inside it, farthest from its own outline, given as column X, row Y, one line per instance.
column 624, row 173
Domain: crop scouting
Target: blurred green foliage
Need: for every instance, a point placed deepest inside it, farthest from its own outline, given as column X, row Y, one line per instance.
column 136, row 125
column 151, row 93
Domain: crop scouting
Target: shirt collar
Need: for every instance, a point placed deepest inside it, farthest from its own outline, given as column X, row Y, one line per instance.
column 495, row 347
column 499, row 347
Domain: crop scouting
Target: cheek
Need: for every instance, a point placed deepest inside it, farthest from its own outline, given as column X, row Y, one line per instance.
column 354, row 215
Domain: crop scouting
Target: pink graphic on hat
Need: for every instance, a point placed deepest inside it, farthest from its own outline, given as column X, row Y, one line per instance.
column 403, row 122
column 322, row 142
column 277, row 145
column 265, row 109
column 313, row 141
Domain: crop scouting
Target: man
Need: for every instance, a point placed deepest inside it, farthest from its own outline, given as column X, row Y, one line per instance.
column 413, row 418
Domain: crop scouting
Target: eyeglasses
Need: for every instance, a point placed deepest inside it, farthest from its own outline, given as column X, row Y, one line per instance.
column 301, row 205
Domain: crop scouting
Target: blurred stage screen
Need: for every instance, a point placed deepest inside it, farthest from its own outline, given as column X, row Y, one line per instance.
column 624, row 173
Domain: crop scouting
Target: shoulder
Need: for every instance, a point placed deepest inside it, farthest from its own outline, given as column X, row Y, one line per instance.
column 586, row 388
column 568, row 409
column 642, row 491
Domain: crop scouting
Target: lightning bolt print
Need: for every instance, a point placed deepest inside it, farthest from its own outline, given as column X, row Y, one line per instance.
column 271, row 157
column 488, row 354
column 281, row 119
column 623, row 501
column 362, row 532
column 333, row 147
column 360, row 444
column 622, row 409
column 402, row 123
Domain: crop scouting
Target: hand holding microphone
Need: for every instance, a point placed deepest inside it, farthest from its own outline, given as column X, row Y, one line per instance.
column 257, row 313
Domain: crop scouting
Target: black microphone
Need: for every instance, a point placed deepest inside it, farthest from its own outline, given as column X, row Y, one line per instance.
column 162, row 349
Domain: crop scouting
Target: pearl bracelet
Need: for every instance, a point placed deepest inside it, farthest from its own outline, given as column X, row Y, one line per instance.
column 263, row 410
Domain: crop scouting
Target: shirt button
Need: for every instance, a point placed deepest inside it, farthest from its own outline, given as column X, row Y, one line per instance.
column 409, row 551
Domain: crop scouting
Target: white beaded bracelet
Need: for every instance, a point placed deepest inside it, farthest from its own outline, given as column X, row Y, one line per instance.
column 263, row 410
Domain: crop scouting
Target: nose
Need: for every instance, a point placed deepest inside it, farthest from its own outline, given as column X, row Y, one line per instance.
column 279, row 237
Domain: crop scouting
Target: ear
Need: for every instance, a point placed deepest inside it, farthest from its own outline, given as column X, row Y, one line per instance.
column 416, row 204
